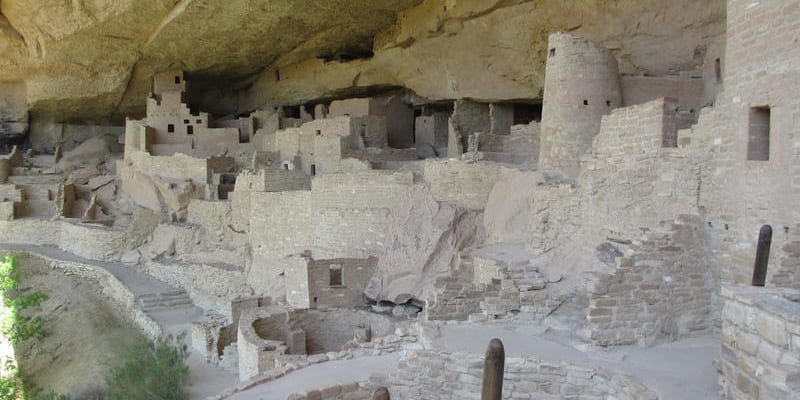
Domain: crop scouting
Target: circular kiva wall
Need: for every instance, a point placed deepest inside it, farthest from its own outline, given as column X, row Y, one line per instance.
column 265, row 333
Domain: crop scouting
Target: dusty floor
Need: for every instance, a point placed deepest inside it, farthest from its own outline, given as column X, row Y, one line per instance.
column 84, row 337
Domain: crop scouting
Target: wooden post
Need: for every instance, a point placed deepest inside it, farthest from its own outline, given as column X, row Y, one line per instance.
column 493, row 367
column 381, row 393
column 762, row 256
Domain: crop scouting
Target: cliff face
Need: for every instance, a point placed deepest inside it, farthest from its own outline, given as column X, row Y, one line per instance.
column 84, row 59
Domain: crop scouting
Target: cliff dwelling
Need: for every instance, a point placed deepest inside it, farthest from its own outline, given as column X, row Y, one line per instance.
column 399, row 199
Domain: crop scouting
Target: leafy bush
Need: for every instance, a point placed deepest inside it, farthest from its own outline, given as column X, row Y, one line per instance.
column 9, row 388
column 8, row 274
column 15, row 326
column 151, row 371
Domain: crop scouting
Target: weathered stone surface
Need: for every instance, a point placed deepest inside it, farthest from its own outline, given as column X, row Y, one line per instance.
column 425, row 241
column 95, row 59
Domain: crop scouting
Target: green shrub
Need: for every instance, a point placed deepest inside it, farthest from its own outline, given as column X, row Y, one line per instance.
column 15, row 326
column 151, row 371
column 8, row 274
column 9, row 388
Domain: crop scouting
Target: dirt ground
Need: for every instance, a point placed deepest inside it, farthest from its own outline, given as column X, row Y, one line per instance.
column 83, row 336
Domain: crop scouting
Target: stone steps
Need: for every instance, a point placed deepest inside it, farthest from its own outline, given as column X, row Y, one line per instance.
column 164, row 301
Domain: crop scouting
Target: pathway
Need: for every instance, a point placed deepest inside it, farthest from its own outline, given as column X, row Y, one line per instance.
column 322, row 375
column 174, row 315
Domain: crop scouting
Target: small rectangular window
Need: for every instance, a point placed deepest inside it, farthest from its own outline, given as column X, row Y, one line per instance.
column 199, row 121
column 718, row 70
column 177, row 80
column 170, row 128
column 186, row 121
column 313, row 170
column 190, row 130
column 552, row 52
column 758, row 138
column 335, row 275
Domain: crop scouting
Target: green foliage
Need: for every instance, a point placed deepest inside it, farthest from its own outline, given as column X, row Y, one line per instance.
column 151, row 371
column 14, row 325
column 8, row 274
column 27, row 300
column 9, row 388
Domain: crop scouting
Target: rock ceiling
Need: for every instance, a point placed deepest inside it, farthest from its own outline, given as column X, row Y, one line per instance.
column 93, row 59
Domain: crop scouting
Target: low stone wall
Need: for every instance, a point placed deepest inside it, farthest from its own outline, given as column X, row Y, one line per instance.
column 120, row 297
column 276, row 337
column 85, row 241
column 347, row 391
column 428, row 374
column 760, row 356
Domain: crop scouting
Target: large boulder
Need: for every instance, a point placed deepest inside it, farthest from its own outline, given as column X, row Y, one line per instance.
column 426, row 241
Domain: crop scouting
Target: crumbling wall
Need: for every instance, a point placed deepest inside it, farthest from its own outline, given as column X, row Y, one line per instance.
column 581, row 85
column 432, row 130
column 501, row 117
column 520, row 147
column 660, row 288
column 634, row 178
column 468, row 117
column 429, row 374
column 760, row 356
column 396, row 114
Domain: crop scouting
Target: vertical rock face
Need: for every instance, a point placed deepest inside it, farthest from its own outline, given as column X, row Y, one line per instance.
column 93, row 60
column 425, row 242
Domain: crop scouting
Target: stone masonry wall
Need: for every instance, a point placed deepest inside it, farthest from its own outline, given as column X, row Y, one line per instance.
column 581, row 85
column 355, row 274
column 468, row 117
column 661, row 289
column 352, row 212
column 346, row 391
column 427, row 374
column 760, row 356
column 280, row 226
column 761, row 69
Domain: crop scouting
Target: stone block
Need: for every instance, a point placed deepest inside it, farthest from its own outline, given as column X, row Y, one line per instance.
column 772, row 329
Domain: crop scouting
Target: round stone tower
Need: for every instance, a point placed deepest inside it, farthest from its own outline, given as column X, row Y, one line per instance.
column 581, row 85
